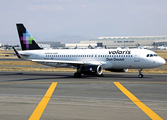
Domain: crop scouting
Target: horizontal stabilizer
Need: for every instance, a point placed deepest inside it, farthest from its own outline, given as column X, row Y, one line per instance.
column 22, row 54
column 18, row 55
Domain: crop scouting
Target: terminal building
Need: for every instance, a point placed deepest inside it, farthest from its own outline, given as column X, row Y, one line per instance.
column 53, row 45
column 131, row 41
column 114, row 42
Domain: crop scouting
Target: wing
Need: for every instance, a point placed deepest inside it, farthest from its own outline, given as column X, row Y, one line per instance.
column 69, row 62
column 59, row 61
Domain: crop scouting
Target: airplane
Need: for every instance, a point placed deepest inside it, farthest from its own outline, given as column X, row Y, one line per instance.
column 162, row 47
column 87, row 61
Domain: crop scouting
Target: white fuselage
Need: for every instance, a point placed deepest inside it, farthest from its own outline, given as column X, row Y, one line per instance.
column 108, row 58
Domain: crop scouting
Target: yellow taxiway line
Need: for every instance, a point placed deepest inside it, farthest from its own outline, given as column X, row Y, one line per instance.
column 142, row 106
column 41, row 106
column 83, row 82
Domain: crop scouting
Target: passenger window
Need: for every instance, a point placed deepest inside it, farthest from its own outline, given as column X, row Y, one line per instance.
column 151, row 55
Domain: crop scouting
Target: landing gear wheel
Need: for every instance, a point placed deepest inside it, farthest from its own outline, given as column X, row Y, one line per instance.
column 77, row 75
column 140, row 75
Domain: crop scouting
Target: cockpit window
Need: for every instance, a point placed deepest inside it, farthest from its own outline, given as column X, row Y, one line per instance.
column 151, row 55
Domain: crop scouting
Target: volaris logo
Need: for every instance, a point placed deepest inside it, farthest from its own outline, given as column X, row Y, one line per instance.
column 119, row 52
column 26, row 39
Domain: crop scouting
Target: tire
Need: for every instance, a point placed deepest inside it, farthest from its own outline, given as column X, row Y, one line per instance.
column 140, row 76
column 77, row 75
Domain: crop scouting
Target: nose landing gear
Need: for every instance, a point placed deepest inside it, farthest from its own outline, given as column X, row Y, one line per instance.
column 140, row 73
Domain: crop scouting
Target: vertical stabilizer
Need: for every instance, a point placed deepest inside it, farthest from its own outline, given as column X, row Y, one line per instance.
column 26, row 41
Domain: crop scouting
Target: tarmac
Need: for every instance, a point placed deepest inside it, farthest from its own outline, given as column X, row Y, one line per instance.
column 59, row 96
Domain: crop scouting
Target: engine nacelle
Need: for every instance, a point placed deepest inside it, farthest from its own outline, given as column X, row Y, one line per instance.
column 117, row 70
column 91, row 69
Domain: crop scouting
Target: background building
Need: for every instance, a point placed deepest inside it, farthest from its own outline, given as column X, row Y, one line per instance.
column 53, row 45
column 131, row 41
column 113, row 42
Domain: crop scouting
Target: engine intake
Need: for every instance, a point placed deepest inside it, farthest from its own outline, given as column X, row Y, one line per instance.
column 91, row 69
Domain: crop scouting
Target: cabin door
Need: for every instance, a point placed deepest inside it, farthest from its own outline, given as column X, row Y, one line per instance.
column 137, row 57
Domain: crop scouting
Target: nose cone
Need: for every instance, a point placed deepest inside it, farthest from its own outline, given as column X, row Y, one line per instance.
column 161, row 61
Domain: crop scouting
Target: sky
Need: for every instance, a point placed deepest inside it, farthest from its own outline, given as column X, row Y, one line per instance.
column 46, row 19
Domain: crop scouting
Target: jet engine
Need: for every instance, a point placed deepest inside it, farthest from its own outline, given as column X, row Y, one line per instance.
column 117, row 70
column 91, row 69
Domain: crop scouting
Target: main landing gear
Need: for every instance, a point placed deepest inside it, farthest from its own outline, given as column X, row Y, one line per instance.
column 140, row 74
column 77, row 75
